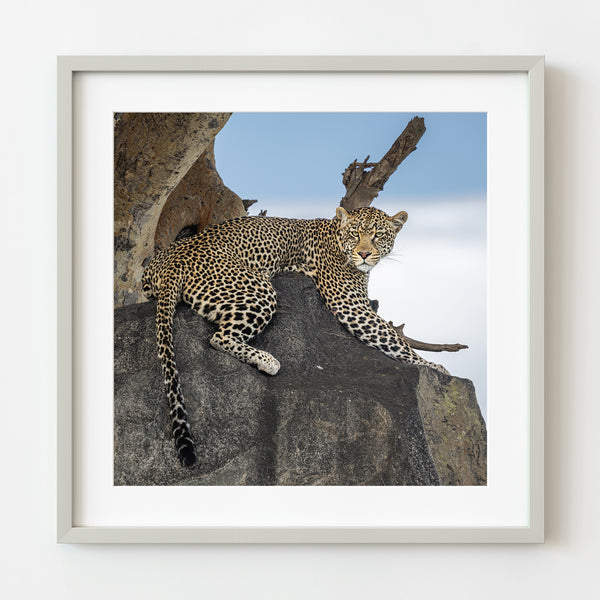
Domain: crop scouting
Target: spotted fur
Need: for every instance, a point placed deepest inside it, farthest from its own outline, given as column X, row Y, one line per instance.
column 224, row 274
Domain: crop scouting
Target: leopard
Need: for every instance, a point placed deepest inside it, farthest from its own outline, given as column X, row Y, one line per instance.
column 224, row 272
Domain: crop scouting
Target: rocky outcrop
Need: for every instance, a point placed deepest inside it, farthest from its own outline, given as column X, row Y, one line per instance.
column 338, row 412
column 153, row 154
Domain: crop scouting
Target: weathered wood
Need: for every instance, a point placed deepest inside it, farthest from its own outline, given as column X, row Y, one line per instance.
column 364, row 180
column 418, row 345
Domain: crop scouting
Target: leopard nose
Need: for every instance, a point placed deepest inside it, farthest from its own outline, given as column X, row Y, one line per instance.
column 364, row 255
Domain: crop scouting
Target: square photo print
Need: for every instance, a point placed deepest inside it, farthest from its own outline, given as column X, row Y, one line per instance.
column 300, row 299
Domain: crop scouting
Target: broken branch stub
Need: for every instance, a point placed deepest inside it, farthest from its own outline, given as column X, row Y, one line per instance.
column 418, row 345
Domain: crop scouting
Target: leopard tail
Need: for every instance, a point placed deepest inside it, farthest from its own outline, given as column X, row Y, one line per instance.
column 165, row 311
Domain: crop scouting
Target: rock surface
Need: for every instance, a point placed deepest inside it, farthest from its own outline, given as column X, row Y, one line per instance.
column 338, row 412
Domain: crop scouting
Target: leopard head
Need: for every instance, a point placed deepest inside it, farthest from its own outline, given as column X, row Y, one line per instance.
column 367, row 234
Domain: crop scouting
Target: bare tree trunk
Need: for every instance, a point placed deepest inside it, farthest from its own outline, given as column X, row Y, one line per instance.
column 152, row 154
column 199, row 200
column 364, row 180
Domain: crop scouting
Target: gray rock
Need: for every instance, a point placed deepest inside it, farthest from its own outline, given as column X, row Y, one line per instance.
column 338, row 412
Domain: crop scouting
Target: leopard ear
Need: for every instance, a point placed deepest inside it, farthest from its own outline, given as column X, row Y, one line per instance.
column 342, row 215
column 398, row 220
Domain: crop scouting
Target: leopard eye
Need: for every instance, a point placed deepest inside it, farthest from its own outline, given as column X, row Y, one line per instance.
column 379, row 234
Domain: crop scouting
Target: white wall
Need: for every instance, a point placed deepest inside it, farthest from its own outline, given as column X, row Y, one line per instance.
column 33, row 32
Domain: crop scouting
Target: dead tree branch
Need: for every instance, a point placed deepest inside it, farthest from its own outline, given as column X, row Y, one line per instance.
column 364, row 180
column 418, row 345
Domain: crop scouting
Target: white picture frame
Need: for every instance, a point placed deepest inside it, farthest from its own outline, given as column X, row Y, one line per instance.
column 69, row 531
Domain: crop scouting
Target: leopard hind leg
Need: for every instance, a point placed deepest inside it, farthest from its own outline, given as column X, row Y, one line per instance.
column 235, row 344
column 242, row 312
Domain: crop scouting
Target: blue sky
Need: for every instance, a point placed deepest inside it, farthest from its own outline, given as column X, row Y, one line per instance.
column 290, row 156
column 435, row 280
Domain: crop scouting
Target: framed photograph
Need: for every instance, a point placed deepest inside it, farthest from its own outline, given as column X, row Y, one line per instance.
column 246, row 245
